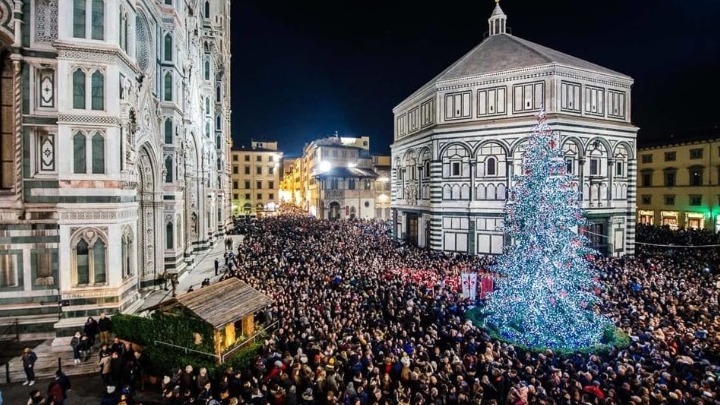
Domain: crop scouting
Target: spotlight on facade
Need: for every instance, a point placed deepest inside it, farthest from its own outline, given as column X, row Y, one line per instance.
column 324, row 166
column 351, row 165
column 383, row 179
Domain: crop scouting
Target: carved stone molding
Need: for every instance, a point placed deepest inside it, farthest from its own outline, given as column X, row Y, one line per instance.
column 89, row 119
column 97, row 215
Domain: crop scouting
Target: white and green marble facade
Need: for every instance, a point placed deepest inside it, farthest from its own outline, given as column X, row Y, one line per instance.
column 459, row 139
column 110, row 183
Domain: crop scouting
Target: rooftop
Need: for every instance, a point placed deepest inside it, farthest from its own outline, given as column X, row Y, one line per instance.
column 221, row 303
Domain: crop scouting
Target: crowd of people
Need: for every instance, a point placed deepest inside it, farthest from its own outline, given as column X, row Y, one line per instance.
column 350, row 331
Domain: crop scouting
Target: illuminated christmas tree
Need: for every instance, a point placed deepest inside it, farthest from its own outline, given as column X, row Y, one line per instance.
column 545, row 295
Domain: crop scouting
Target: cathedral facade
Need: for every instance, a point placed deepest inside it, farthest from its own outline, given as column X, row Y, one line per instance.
column 459, row 140
column 115, row 151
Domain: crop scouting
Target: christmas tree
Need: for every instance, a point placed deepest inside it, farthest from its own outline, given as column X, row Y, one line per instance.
column 545, row 295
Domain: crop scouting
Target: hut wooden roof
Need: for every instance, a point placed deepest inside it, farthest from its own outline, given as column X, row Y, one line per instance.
column 221, row 303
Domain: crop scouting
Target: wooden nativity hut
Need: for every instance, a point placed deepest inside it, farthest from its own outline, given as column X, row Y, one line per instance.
column 229, row 307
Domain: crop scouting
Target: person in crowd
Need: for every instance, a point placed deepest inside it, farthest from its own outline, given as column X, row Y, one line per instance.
column 90, row 329
column 105, row 328
column 36, row 398
column 28, row 361
column 75, row 344
column 358, row 318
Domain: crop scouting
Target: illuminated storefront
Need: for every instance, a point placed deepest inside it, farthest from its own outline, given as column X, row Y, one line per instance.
column 669, row 218
column 694, row 220
column 646, row 217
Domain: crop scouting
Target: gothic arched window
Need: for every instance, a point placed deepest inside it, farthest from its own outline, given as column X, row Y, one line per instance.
column 79, row 153
column 98, row 90
column 78, row 89
column 169, row 131
column 89, row 258
column 168, row 48
column 168, row 84
column 168, row 169
column 98, row 154
column 169, row 234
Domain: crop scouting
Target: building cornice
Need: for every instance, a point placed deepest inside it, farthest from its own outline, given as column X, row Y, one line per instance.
column 94, row 54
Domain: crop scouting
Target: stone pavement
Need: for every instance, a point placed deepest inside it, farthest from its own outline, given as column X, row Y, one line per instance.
column 205, row 268
column 86, row 389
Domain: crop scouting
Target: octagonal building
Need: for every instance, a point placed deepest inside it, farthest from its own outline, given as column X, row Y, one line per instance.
column 459, row 139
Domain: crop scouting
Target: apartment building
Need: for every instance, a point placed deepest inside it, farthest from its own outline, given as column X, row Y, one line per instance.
column 678, row 184
column 255, row 178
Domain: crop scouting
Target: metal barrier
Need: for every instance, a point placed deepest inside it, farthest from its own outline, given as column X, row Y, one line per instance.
column 243, row 343
column 221, row 358
column 186, row 350
column 8, row 332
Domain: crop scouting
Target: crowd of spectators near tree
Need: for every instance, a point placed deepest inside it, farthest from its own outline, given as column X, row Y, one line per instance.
column 350, row 331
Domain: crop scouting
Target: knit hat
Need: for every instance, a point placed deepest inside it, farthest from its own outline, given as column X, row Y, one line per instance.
column 307, row 395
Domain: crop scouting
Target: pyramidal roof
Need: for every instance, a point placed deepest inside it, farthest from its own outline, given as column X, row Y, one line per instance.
column 502, row 52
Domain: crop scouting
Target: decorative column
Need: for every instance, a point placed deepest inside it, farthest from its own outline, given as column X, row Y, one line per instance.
column 581, row 180
column 611, row 173
column 18, row 129
column 17, row 13
column 630, row 214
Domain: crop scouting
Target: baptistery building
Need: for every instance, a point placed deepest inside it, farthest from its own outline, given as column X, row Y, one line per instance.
column 115, row 145
column 459, row 139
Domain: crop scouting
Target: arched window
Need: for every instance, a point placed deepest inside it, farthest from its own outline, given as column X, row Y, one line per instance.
column 218, row 123
column 207, row 105
column 123, row 30
column 207, row 67
column 168, row 169
column 207, row 130
column 169, row 234
column 79, row 15
column 169, row 131
column 98, row 154
column 207, row 9
column 90, row 253
column 98, row 19
column 98, row 91
column 218, row 93
column 79, row 89
column 168, row 87
column 79, row 153
column 99, row 267
column 168, row 48
column 491, row 166
column 82, row 260
column 178, row 221
column 127, row 246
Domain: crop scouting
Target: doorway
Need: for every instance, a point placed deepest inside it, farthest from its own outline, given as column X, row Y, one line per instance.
column 411, row 230
column 596, row 232
column 334, row 213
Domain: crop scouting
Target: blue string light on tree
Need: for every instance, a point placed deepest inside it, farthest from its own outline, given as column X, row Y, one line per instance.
column 545, row 295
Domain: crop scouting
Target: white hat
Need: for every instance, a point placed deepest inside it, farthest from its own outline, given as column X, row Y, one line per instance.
column 110, row 389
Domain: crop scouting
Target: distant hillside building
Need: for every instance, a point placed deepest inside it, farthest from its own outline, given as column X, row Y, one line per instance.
column 460, row 137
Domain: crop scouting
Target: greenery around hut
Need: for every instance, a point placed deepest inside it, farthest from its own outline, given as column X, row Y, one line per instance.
column 179, row 328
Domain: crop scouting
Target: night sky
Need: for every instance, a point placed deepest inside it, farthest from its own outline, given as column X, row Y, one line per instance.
column 302, row 70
